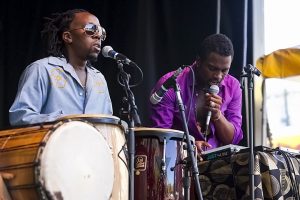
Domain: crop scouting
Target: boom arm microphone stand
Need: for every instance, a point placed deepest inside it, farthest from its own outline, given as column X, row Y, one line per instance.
column 134, row 119
column 248, row 72
column 190, row 150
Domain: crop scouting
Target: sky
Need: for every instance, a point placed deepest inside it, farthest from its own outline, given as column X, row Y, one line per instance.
column 282, row 28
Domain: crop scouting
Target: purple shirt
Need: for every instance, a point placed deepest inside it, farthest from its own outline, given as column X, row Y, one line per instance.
column 166, row 113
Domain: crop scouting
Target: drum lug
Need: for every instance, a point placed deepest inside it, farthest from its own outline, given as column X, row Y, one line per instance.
column 163, row 160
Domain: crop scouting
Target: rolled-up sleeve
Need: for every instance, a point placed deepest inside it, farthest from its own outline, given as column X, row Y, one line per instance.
column 233, row 113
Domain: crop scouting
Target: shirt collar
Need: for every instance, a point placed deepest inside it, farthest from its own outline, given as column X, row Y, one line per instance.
column 59, row 61
column 67, row 67
column 62, row 62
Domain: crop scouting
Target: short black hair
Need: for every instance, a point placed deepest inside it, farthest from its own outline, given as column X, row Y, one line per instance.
column 217, row 43
column 53, row 29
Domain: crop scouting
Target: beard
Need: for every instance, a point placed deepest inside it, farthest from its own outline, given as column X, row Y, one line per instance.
column 92, row 56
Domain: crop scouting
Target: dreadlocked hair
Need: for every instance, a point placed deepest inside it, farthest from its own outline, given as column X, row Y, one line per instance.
column 53, row 29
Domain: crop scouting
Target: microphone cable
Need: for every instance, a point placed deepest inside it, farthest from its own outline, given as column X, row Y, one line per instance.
column 192, row 92
column 135, row 84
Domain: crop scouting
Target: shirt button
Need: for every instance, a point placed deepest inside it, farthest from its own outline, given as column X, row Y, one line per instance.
column 80, row 93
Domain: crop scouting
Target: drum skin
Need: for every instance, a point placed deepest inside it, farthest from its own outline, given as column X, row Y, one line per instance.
column 66, row 160
column 113, row 130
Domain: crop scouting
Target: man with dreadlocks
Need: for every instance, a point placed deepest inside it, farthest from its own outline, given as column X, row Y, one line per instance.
column 65, row 82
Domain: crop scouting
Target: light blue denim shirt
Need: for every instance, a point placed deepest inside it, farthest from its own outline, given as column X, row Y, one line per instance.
column 50, row 88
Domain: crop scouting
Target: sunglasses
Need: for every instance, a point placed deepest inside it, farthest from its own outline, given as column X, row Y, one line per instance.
column 92, row 29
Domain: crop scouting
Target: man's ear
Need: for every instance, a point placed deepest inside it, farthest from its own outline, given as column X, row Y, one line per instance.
column 67, row 37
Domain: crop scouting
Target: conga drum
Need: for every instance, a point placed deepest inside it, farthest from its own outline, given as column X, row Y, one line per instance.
column 159, row 168
column 67, row 160
column 113, row 130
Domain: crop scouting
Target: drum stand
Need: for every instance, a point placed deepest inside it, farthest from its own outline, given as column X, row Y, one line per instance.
column 248, row 72
column 191, row 155
column 187, row 181
column 134, row 119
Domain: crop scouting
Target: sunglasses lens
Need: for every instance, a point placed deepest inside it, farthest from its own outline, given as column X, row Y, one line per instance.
column 90, row 32
column 103, row 34
column 90, row 29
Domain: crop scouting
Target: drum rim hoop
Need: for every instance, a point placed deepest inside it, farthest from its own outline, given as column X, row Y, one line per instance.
column 95, row 118
column 160, row 133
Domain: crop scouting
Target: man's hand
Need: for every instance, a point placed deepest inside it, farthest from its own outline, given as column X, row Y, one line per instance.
column 201, row 146
column 6, row 176
column 213, row 103
column 4, row 194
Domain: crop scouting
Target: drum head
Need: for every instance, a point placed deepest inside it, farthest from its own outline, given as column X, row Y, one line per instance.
column 93, row 118
column 76, row 163
column 160, row 133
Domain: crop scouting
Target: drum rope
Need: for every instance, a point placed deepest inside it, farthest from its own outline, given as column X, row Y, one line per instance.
column 5, row 142
column 124, row 149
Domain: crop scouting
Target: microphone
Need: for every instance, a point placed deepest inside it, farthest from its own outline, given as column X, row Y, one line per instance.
column 251, row 69
column 213, row 89
column 157, row 96
column 108, row 52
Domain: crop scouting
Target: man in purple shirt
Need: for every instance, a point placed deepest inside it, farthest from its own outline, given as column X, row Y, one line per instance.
column 211, row 68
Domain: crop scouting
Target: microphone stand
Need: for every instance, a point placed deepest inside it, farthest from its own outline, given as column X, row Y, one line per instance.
column 190, row 150
column 248, row 72
column 133, row 119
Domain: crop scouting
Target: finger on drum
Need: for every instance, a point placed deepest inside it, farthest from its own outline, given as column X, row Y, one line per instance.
column 200, row 159
column 6, row 175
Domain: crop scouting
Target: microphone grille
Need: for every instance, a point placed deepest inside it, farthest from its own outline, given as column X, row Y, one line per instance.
column 213, row 89
column 105, row 51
